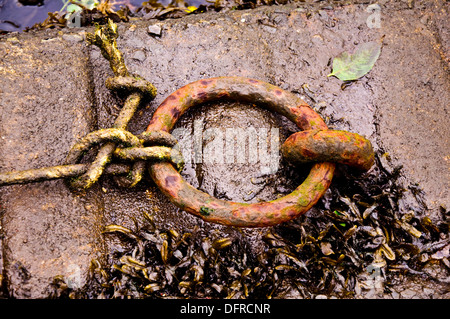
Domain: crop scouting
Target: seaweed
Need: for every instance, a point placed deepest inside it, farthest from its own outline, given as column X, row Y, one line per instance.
column 351, row 244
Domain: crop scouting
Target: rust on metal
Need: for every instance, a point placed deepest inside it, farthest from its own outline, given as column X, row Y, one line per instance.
column 329, row 146
column 211, row 209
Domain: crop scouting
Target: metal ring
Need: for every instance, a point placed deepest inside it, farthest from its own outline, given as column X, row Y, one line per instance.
column 211, row 209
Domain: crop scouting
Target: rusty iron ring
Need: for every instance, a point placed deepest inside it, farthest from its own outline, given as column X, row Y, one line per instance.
column 211, row 209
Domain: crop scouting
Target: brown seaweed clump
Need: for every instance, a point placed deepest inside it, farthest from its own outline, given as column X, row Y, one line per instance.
column 357, row 241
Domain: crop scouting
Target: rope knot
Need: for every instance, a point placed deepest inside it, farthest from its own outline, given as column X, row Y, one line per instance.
column 124, row 146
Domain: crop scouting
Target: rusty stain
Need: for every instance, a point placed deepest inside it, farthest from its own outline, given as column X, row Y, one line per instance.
column 231, row 213
column 329, row 145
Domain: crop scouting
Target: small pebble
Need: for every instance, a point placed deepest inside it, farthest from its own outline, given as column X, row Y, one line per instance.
column 154, row 29
column 12, row 40
column 72, row 37
column 408, row 294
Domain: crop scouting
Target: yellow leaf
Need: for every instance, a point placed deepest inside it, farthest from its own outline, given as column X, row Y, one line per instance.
column 191, row 9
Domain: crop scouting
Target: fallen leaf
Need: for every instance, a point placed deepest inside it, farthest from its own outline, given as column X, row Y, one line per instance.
column 190, row 9
column 348, row 67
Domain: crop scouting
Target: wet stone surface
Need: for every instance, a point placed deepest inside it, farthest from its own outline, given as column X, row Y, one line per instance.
column 287, row 46
column 248, row 178
column 45, row 107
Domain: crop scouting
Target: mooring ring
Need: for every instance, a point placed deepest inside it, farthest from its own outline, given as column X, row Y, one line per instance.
column 211, row 209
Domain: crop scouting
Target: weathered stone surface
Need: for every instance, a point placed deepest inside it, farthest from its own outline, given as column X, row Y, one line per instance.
column 411, row 112
column 45, row 108
column 400, row 106
column 298, row 53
